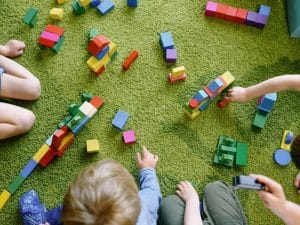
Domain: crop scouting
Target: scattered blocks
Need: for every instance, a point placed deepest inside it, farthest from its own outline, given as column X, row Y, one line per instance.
column 129, row 137
column 130, row 59
column 120, row 119
column 105, row 7
column 92, row 146
column 52, row 37
column 56, row 14
column 167, row 45
column 5, row 195
column 132, row 3
column 31, row 17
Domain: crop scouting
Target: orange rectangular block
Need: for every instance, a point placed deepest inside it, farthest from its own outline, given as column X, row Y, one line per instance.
column 221, row 11
column 55, row 29
column 46, row 42
column 241, row 16
column 230, row 13
column 130, row 59
column 97, row 102
column 65, row 143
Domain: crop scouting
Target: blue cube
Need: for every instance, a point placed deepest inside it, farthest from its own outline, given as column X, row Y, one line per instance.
column 120, row 119
column 215, row 85
column 106, row 6
column 200, row 96
column 166, row 40
column 132, row 3
column 265, row 10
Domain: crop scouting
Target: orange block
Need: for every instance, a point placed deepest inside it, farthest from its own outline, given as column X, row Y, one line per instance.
column 230, row 13
column 55, row 29
column 241, row 16
column 173, row 79
column 65, row 143
column 46, row 42
column 97, row 102
column 130, row 59
column 221, row 11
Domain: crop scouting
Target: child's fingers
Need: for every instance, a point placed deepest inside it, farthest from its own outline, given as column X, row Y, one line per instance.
column 138, row 157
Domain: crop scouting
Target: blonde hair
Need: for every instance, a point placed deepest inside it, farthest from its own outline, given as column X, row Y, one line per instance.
column 104, row 193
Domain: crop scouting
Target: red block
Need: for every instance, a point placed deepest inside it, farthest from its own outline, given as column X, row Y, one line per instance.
column 58, row 136
column 221, row 11
column 97, row 102
column 101, row 70
column 46, row 42
column 130, row 59
column 97, row 44
column 55, row 29
column 174, row 79
column 63, row 147
column 230, row 13
column 47, row 158
column 223, row 103
column 240, row 16
column 193, row 103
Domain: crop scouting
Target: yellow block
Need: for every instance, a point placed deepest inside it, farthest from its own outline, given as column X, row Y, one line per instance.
column 92, row 145
column 178, row 71
column 193, row 114
column 93, row 63
column 60, row 1
column 228, row 78
column 112, row 48
column 5, row 195
column 284, row 145
column 65, row 140
column 85, row 2
column 56, row 14
column 41, row 152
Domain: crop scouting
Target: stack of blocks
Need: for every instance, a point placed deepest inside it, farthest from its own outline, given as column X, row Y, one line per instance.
column 58, row 142
column 103, row 51
column 31, row 17
column 56, row 14
column 231, row 152
column 52, row 37
column 203, row 97
column 132, row 3
column 130, row 59
column 266, row 104
column 178, row 73
column 238, row 15
column 167, row 45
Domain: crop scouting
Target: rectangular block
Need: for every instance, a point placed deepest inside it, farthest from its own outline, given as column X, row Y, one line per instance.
column 84, row 2
column 66, row 142
column 166, row 40
column 55, row 29
column 112, row 49
column 48, row 158
column 46, row 42
column 105, row 7
column 132, row 3
column 171, row 55
column 86, row 108
column 293, row 12
column 50, row 36
column 251, row 18
column 82, row 123
column 241, row 154
column 130, row 59
column 120, row 119
column 264, row 10
column 97, row 102
column 95, row 3
column 77, row 8
column 260, row 119
column 241, row 16
column 41, row 152
column 4, row 197
column 230, row 13
column 221, row 11
column 178, row 71
column 13, row 186
column 211, row 8
column 27, row 170
column 77, row 119
column 57, row 46
column 261, row 21
column 93, row 33
column 30, row 15
column 102, row 53
column 173, row 79
column 97, row 44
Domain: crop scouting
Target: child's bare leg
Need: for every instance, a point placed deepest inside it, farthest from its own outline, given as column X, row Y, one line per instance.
column 17, row 82
column 14, row 120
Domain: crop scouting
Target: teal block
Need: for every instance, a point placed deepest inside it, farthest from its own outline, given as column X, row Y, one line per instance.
column 77, row 8
column 114, row 56
column 241, row 154
column 293, row 10
column 30, row 15
column 260, row 119
column 77, row 119
column 73, row 109
column 86, row 96
column 57, row 46
column 13, row 187
column 93, row 33
column 227, row 150
column 64, row 121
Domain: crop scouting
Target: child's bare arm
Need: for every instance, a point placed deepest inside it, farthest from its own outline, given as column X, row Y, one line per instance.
column 12, row 48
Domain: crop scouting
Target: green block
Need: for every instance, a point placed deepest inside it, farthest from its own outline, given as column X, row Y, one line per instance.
column 114, row 56
column 64, row 121
column 57, row 46
column 73, row 123
column 241, row 154
column 229, row 142
column 86, row 96
column 226, row 160
column 260, row 119
column 73, row 109
column 33, row 22
column 15, row 184
column 30, row 15
column 227, row 150
column 77, row 8
column 93, row 33
column 293, row 10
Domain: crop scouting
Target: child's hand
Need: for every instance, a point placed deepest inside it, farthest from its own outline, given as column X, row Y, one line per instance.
column 187, row 192
column 297, row 182
column 13, row 48
column 238, row 94
column 146, row 159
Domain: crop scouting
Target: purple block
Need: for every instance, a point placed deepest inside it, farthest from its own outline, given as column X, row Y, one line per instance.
column 211, row 8
column 251, row 18
column 171, row 55
column 95, row 3
column 261, row 21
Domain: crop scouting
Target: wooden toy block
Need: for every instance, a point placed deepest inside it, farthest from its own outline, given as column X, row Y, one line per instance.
column 92, row 112
column 132, row 3
column 64, row 121
column 264, row 10
column 97, row 102
column 46, row 42
column 57, row 46
column 27, row 170
column 224, row 102
column 293, row 12
column 13, row 186
column 241, row 16
column 286, row 140
column 95, row 3
column 200, row 96
column 93, row 63
column 129, row 137
column 77, row 119
column 33, row 22
column 41, row 152
column 261, row 21
column 92, row 146
column 230, row 14
column 166, row 40
column 221, row 10
column 130, row 59
column 267, row 102
column 173, row 79
column 178, row 71
column 56, row 14
column 30, row 15
column 48, row 158
column 93, row 33
column 228, row 78
column 73, row 109
column 84, row 2
column 100, row 71
column 112, row 49
column 260, row 119
column 86, row 107
column 66, row 142
column 86, row 96
column 58, row 136
column 105, row 7
column 77, row 8
column 103, row 52
column 50, row 36
column 5, row 195
column 193, row 115
column 204, row 104
column 97, row 44
column 113, row 56
column 251, row 18
column 211, row 8
column 171, row 55
column 120, row 119
column 193, row 103
column 241, row 154
column 60, row 1
column 80, row 125
column 214, row 87
column 247, row 182
column 55, row 29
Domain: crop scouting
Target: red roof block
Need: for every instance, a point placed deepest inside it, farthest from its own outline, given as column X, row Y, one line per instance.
column 55, row 29
column 97, row 44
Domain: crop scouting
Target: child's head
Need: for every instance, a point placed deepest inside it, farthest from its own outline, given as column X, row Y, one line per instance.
column 295, row 151
column 103, row 193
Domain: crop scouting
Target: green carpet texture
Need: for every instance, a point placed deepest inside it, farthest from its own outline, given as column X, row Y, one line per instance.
column 206, row 46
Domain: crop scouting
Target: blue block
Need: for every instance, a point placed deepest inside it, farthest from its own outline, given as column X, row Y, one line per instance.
column 200, row 96
column 95, row 3
column 205, row 105
column 215, row 85
column 76, row 129
column 267, row 102
column 166, row 40
column 26, row 171
column 120, row 119
column 106, row 6
column 132, row 3
column 103, row 53
column 265, row 10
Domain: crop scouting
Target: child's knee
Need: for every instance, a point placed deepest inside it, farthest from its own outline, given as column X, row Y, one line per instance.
column 34, row 90
column 26, row 121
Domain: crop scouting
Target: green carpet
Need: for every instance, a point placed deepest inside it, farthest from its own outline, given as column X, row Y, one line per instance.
column 207, row 47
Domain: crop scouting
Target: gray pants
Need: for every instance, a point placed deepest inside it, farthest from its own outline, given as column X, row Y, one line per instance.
column 220, row 207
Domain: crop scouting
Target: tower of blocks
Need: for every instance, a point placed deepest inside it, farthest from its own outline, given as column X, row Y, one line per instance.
column 265, row 105
column 178, row 73
column 231, row 152
column 31, row 17
column 242, row 16
column 293, row 11
column 56, row 145
column 130, row 59
column 52, row 37
column 103, row 51
column 203, row 97
column 80, row 6
column 132, row 3
column 167, row 45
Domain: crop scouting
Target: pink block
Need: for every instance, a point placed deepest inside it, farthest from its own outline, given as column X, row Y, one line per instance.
column 211, row 8
column 129, row 137
column 50, row 36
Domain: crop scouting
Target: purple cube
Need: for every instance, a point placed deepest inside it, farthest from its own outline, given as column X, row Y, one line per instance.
column 211, row 8
column 95, row 3
column 261, row 21
column 251, row 18
column 171, row 55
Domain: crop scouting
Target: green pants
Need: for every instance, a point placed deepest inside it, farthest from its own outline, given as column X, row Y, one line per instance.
column 220, row 207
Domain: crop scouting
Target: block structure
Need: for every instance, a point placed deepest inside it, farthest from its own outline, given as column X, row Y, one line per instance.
column 178, row 73
column 51, row 37
column 168, row 46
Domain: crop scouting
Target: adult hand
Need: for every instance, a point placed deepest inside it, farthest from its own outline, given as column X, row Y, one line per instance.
column 187, row 192
column 238, row 94
column 146, row 159
column 14, row 48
